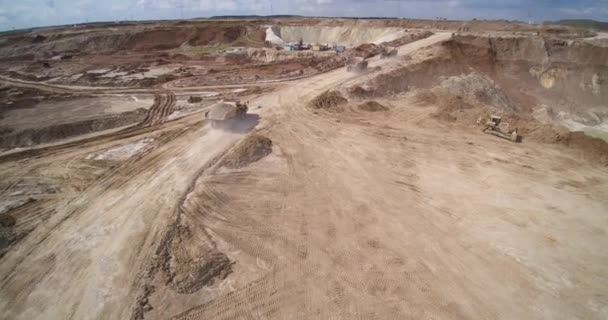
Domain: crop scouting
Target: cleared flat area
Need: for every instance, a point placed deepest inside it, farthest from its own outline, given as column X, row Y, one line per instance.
column 349, row 214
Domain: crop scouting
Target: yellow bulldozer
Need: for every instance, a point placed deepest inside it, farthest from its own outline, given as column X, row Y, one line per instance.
column 496, row 127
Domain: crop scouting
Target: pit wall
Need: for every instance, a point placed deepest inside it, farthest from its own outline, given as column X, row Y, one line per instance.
column 537, row 50
column 349, row 36
column 134, row 39
column 568, row 78
column 271, row 55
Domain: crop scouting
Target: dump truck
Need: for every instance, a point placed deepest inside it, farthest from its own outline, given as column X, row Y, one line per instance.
column 357, row 65
column 224, row 111
column 389, row 52
column 497, row 128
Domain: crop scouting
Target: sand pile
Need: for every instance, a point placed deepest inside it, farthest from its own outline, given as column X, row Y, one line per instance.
column 7, row 233
column 329, row 100
column 372, row 106
column 590, row 148
column 410, row 37
column 332, row 63
column 361, row 91
column 477, row 89
column 366, row 50
column 193, row 261
column 7, row 237
column 250, row 150
column 449, row 107
column 467, row 110
column 473, row 93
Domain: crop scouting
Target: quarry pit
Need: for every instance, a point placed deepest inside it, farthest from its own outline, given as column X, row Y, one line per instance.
column 368, row 193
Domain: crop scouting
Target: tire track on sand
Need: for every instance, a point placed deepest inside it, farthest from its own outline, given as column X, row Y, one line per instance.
column 164, row 105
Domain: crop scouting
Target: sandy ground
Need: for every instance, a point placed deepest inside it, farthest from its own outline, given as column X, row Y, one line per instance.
column 72, row 110
column 376, row 217
column 353, row 216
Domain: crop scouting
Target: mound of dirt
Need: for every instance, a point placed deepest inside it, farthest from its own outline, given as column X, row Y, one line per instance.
column 372, row 106
column 477, row 89
column 6, row 220
column 449, row 107
column 473, row 91
column 408, row 38
column 594, row 148
column 7, row 237
column 332, row 63
column 425, row 74
column 250, row 150
column 193, row 262
column 360, row 92
column 534, row 130
column 366, row 50
column 329, row 100
column 590, row 148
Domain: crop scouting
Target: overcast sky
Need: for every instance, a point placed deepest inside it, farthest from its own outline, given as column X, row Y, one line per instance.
column 28, row 13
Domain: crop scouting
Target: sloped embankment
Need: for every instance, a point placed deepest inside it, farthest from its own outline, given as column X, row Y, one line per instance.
column 344, row 35
column 569, row 77
column 131, row 38
column 12, row 138
column 468, row 77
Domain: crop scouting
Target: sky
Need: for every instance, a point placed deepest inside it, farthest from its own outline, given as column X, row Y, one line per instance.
column 17, row 14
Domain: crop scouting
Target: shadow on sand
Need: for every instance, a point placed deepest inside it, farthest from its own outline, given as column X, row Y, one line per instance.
column 237, row 125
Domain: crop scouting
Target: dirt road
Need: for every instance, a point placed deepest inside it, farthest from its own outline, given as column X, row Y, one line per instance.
column 352, row 216
column 392, row 216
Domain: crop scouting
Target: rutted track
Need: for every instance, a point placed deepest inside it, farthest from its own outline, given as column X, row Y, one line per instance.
column 137, row 206
column 157, row 114
column 128, row 90
column 164, row 105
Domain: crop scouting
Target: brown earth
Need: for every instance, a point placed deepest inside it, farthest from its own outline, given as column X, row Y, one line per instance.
column 372, row 106
column 305, row 211
column 329, row 101
column 251, row 149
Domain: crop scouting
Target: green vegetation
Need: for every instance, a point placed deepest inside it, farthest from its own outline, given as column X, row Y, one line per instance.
column 583, row 23
column 201, row 51
column 597, row 134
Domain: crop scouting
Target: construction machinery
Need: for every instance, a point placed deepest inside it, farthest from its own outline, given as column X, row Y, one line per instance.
column 357, row 65
column 226, row 110
column 496, row 127
column 388, row 52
